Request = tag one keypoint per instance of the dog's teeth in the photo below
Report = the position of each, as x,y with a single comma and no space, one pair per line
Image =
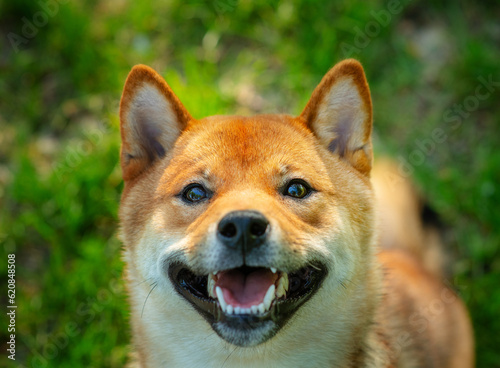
273,270
261,308
280,290
268,299
254,309
211,286
282,287
284,280
222,302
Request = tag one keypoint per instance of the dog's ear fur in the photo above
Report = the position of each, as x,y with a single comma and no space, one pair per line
339,113
151,119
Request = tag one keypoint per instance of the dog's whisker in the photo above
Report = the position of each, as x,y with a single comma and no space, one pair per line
231,353
150,291
143,281
315,267
209,335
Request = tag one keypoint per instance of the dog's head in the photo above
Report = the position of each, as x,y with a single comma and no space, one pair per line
242,220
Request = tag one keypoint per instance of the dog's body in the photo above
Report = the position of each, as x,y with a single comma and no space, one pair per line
251,242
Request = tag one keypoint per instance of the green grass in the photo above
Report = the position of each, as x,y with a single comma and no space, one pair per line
60,179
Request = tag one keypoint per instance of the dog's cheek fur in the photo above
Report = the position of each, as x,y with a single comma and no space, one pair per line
163,318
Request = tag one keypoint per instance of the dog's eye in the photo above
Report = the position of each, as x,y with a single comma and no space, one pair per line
297,189
194,193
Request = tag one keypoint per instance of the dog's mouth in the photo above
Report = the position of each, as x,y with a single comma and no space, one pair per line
244,297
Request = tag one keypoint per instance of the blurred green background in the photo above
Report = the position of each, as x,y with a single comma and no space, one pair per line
62,67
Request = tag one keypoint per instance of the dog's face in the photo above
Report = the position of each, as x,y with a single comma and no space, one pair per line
242,220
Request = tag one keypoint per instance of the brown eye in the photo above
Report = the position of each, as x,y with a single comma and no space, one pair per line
297,189
194,193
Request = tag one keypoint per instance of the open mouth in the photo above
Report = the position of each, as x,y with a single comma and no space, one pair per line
245,296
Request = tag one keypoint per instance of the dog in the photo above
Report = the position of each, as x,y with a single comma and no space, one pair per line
259,242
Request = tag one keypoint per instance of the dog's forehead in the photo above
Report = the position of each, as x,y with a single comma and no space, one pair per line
248,139
244,149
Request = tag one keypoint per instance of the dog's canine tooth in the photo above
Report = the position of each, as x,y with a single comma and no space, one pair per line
280,290
284,280
273,270
210,286
282,287
220,297
268,299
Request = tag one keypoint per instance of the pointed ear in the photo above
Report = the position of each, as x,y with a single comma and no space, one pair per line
339,113
151,119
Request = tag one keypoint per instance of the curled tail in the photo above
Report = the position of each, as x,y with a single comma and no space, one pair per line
405,220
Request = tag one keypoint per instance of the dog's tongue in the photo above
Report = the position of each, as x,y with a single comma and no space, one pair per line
245,288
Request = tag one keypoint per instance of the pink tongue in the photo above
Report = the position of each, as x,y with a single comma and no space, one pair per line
242,289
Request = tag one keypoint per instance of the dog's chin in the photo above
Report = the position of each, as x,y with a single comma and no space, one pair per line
244,331
247,306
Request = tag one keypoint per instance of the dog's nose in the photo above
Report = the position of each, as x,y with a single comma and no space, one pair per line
243,230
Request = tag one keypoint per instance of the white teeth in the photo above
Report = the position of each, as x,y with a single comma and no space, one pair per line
273,270
272,293
261,308
268,299
222,302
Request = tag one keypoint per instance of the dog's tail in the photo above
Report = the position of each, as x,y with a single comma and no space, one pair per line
406,221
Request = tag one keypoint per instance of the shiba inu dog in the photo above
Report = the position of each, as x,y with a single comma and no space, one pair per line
253,242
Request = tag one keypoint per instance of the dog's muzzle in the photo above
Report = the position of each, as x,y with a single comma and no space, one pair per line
239,300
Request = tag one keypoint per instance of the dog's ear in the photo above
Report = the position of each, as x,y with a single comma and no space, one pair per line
339,113
151,119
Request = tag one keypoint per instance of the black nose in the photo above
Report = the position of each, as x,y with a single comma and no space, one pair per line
243,230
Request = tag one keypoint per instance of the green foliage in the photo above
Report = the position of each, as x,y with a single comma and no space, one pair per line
59,141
